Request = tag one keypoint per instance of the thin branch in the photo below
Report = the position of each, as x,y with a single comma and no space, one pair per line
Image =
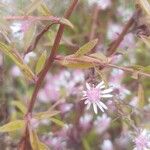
127,69
114,45
33,18
38,37
94,21
51,57
88,59
43,74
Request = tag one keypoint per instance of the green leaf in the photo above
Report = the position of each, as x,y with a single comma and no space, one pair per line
12,126
147,69
34,5
86,144
144,5
18,60
43,9
36,144
99,56
146,40
58,122
103,76
141,97
46,114
40,63
137,67
29,36
20,106
86,48
66,22
77,65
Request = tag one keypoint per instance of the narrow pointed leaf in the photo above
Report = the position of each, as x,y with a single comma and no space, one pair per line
29,36
86,48
36,144
43,9
20,106
34,5
77,65
58,122
141,97
99,56
66,22
41,62
147,69
46,114
86,144
145,6
82,62
146,40
12,126
103,76
18,60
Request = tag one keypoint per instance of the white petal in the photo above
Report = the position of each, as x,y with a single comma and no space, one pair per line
84,97
95,108
86,102
100,107
102,87
100,84
107,91
103,105
84,92
88,105
88,86
107,95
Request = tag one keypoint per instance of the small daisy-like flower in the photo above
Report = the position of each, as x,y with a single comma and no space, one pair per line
93,96
142,141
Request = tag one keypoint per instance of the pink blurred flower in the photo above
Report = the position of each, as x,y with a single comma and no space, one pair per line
124,12
107,145
94,95
29,56
115,82
34,122
56,143
85,121
142,141
42,96
114,31
111,105
15,71
134,101
128,42
103,4
65,107
25,26
61,85
52,92
102,123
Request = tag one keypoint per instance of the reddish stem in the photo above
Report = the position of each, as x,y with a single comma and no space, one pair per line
33,18
24,143
114,45
51,57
